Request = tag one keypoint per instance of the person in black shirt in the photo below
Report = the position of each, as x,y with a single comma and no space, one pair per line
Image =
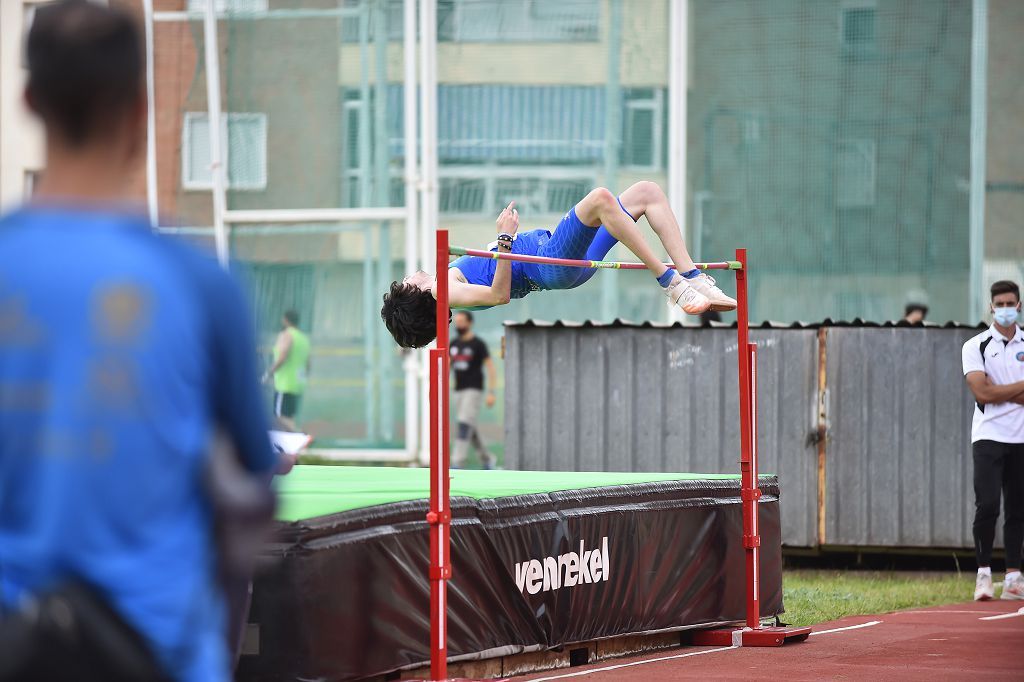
469,356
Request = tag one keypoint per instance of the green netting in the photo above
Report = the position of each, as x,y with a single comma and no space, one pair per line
310,491
832,139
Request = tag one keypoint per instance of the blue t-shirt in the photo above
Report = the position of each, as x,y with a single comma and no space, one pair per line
119,352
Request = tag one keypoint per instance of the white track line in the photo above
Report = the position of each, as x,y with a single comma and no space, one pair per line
1015,614
849,627
915,612
629,665
608,668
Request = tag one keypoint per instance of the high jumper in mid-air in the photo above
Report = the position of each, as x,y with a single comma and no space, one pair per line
587,232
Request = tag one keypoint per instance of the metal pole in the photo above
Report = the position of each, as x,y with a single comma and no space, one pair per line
213,113
382,185
370,359
752,537
612,137
151,184
411,365
370,324
428,140
439,516
678,76
749,491
979,66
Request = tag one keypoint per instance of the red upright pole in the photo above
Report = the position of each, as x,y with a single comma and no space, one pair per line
753,634
749,491
439,516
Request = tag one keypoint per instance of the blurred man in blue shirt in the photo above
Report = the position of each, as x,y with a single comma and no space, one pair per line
120,354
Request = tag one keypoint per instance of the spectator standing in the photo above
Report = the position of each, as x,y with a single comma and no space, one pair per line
469,355
121,354
290,369
993,363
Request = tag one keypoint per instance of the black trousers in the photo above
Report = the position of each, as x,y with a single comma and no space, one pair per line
998,469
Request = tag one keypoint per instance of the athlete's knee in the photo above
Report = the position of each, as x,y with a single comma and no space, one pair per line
649,192
602,197
464,431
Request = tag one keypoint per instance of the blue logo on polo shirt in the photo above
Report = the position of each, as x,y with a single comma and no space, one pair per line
1020,356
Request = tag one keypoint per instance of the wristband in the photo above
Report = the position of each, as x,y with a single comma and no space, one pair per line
505,237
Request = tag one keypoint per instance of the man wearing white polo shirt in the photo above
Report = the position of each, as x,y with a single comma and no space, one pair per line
994,367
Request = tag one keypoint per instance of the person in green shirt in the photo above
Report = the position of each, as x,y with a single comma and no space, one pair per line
290,368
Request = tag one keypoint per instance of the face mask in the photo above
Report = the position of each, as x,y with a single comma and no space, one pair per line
462,330
1004,317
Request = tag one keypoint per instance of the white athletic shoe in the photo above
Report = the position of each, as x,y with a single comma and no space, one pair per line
983,590
1013,589
682,293
705,284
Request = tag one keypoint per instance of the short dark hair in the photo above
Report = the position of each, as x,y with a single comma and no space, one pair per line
410,314
1005,286
469,315
292,317
85,68
915,307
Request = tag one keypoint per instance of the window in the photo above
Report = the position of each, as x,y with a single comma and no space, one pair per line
642,129
857,27
462,195
222,6
855,173
244,137
485,190
517,20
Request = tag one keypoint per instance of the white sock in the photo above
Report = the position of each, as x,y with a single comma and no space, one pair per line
1012,575
985,570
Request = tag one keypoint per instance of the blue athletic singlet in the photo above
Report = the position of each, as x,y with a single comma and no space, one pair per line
571,239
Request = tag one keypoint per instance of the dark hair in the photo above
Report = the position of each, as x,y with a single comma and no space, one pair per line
292,317
410,314
1005,286
85,68
469,315
915,307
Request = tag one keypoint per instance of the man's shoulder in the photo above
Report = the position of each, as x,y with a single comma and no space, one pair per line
979,338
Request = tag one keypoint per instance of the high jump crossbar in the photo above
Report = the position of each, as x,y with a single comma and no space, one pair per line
570,263
439,515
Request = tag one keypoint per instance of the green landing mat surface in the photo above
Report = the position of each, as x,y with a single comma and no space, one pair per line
310,491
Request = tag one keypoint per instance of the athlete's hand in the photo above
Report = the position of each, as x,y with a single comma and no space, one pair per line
508,221
490,400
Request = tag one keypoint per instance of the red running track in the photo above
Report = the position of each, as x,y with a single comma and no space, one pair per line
971,641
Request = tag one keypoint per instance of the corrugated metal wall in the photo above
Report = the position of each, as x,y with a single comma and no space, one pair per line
614,398
898,466
627,398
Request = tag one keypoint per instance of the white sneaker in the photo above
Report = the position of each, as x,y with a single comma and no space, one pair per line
1013,589
683,294
705,284
983,590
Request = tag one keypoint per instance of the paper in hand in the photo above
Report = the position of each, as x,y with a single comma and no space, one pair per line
289,443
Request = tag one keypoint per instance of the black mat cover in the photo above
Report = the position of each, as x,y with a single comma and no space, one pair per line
346,595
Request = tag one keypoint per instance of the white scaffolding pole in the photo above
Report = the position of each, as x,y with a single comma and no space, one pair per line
428,167
411,364
678,80
979,112
213,109
151,186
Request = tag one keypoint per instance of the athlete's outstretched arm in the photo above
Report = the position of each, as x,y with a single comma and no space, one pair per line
464,295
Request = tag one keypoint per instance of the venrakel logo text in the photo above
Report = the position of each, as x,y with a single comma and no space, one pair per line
565,570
